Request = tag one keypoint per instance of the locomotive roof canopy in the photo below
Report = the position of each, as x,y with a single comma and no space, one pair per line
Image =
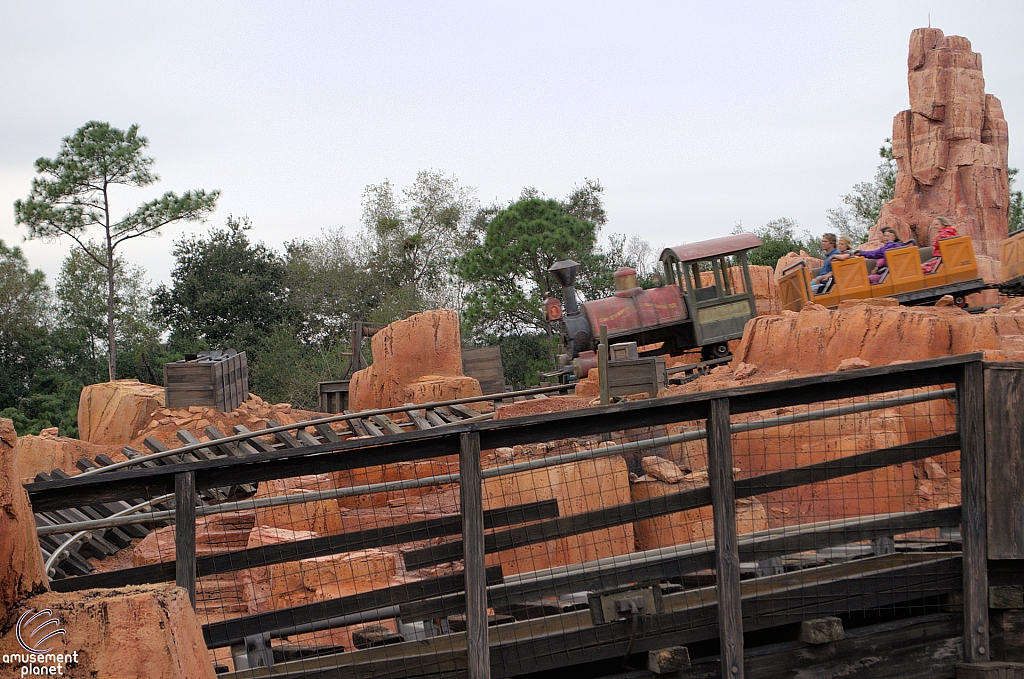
706,249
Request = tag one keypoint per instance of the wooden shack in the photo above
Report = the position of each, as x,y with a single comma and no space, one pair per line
218,379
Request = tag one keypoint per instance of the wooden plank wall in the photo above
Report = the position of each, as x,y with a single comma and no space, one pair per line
484,365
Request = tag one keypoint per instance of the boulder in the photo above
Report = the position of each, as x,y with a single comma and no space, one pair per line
319,516
792,258
143,631
21,562
114,413
48,451
950,148
817,340
582,486
418,359
660,469
693,525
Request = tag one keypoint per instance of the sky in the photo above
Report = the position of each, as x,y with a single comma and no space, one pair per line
693,116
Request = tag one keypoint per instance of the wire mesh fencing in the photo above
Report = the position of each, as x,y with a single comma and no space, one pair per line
604,534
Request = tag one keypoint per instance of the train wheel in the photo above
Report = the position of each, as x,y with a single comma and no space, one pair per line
960,301
713,351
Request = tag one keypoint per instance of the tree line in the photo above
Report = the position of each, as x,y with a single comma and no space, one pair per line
427,245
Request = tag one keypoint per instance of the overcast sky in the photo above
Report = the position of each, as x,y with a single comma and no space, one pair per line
693,116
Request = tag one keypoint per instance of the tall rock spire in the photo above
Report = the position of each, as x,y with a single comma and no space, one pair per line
950,147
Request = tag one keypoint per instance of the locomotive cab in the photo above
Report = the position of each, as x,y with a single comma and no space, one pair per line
713,277
705,300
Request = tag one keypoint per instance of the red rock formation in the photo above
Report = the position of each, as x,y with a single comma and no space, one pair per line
818,340
148,631
415,360
950,148
48,451
21,562
116,412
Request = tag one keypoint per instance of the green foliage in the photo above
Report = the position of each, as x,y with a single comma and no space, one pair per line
330,284
226,292
413,240
779,238
72,195
1016,203
861,208
51,401
634,252
24,314
81,306
508,273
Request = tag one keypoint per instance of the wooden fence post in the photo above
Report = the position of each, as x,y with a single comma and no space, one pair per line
185,533
727,554
970,391
472,506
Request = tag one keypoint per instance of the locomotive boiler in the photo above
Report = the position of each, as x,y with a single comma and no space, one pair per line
705,299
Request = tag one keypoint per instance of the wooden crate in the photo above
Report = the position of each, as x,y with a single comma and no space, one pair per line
636,376
484,365
218,380
333,396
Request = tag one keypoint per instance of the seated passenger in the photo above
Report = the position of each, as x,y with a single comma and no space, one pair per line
843,251
892,240
823,281
946,230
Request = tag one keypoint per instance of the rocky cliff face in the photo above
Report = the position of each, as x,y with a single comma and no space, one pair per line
950,147
416,360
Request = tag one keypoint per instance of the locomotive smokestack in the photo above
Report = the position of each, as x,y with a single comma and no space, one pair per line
564,270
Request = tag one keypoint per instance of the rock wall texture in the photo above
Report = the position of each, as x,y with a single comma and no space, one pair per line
149,631
21,562
950,147
115,412
818,340
49,451
416,360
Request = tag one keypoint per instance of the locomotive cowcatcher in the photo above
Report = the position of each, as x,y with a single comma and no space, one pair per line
705,299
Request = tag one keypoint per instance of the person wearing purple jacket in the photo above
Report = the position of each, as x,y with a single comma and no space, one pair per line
892,241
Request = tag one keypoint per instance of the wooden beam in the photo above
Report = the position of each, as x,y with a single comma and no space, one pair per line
472,506
185,533
727,554
974,523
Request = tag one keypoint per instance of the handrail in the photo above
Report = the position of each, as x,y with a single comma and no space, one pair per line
794,265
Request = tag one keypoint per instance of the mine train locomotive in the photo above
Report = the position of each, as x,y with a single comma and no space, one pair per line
705,299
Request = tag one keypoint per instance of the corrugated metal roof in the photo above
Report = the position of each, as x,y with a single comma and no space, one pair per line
715,247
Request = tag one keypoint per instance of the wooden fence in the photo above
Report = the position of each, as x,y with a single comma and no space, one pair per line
726,610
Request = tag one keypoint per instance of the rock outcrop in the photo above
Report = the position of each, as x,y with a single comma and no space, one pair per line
818,340
147,631
950,148
21,562
116,412
49,451
415,360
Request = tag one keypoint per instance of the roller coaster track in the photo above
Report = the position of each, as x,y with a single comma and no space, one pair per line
68,554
